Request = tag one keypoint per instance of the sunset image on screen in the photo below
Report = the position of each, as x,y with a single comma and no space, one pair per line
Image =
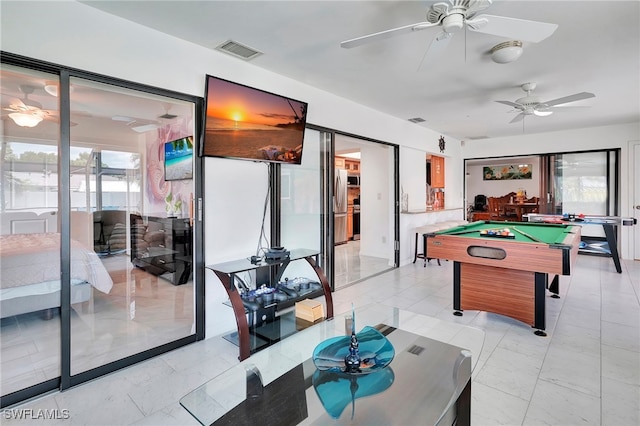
243,122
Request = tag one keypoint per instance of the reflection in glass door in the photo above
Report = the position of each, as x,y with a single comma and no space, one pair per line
301,203
30,236
583,182
133,217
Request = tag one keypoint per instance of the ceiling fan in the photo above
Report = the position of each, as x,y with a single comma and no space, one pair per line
531,105
461,14
27,112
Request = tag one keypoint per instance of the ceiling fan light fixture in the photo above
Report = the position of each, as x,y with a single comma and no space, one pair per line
506,52
453,23
542,113
23,119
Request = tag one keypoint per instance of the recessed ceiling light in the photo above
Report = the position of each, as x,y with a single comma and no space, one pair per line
52,89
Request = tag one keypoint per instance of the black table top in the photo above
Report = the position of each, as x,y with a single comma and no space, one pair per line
242,265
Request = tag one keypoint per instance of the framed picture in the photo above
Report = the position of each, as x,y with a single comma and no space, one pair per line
178,159
507,172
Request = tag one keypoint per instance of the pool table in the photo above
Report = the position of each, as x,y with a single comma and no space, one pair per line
506,274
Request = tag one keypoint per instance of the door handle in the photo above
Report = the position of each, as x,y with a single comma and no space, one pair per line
638,207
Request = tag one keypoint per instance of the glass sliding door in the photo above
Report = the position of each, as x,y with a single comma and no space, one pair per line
301,203
97,246
583,182
133,218
30,236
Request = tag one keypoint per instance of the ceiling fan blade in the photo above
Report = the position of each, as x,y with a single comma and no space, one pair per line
514,28
517,118
571,98
476,6
511,104
569,107
359,41
17,105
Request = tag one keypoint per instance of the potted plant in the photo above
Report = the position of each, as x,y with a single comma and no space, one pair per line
173,206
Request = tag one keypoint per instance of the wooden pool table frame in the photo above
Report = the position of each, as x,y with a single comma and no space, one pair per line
514,286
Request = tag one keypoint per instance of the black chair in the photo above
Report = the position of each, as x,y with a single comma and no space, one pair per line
480,203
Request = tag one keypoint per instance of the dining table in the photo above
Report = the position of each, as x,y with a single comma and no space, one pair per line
520,209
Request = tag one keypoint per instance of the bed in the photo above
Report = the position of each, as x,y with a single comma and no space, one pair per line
30,273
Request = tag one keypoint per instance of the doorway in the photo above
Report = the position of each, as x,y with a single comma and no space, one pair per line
365,199
634,194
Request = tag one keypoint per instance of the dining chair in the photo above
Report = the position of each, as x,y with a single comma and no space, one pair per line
494,208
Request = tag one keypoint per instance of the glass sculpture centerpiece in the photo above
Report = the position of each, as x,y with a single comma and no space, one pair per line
351,367
361,353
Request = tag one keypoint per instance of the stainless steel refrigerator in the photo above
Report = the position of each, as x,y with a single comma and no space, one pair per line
340,206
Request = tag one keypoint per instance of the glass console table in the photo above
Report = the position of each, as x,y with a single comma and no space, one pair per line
246,337
428,381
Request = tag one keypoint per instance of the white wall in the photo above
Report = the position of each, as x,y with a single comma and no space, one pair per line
617,136
497,188
413,175
376,200
78,36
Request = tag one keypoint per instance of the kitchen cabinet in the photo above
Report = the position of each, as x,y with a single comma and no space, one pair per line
162,247
350,223
352,166
437,171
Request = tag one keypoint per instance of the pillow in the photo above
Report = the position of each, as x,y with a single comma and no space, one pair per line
118,239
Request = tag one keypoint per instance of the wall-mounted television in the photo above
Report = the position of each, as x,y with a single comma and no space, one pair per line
251,124
178,159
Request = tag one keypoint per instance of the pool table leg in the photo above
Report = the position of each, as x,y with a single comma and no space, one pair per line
554,287
540,282
456,289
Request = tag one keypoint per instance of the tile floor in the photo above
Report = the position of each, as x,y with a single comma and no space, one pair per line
352,267
585,372
140,312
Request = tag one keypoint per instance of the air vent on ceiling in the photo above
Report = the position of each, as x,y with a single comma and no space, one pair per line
475,138
417,120
238,50
415,349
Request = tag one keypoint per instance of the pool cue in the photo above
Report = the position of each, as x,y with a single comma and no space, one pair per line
527,235
462,232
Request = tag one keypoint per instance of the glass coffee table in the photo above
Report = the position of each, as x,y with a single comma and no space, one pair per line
428,381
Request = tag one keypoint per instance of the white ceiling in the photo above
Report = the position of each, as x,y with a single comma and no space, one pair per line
596,48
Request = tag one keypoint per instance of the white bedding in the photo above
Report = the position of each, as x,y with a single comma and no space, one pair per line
31,263
33,289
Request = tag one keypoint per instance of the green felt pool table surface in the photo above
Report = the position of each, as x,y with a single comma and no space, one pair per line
545,233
